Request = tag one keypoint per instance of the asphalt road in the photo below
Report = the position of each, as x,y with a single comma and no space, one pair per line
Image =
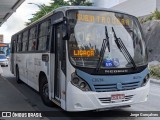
153,103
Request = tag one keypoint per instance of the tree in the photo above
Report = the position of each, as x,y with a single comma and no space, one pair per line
43,9
80,2
154,16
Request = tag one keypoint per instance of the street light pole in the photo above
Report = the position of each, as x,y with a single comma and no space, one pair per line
40,6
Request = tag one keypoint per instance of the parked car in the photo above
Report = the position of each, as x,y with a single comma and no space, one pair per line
3,60
2,52
7,57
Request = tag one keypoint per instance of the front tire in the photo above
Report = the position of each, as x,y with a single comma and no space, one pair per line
44,92
17,76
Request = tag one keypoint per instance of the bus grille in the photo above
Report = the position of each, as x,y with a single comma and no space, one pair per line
108,99
113,87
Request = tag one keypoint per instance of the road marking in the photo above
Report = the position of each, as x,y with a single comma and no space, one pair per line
154,94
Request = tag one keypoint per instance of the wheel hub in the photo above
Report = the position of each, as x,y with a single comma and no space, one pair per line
45,90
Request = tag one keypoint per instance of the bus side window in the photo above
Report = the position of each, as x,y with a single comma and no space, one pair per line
33,45
19,43
25,41
44,36
32,39
13,44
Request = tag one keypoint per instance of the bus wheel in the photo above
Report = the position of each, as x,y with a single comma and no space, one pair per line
44,92
17,76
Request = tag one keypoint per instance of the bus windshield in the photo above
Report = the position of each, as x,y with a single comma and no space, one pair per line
88,32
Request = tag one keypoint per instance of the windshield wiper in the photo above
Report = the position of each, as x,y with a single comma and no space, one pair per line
103,49
123,49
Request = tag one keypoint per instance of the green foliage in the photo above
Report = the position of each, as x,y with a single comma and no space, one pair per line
80,2
155,71
43,9
154,16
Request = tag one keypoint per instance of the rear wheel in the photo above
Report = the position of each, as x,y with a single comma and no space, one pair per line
17,76
44,92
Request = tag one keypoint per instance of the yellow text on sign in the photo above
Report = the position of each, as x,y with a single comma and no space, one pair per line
102,19
84,53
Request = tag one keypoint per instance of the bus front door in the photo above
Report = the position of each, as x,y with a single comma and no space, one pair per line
57,80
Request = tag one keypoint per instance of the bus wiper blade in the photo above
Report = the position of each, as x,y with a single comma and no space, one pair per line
103,49
107,38
123,49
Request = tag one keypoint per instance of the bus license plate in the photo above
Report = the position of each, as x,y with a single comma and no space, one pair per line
117,97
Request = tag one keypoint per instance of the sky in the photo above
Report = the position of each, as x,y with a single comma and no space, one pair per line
18,19
106,3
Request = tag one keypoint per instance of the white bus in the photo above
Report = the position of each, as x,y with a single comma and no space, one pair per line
83,58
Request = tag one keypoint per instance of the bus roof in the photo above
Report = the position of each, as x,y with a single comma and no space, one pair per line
65,8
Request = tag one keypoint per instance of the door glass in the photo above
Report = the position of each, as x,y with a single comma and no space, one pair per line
58,50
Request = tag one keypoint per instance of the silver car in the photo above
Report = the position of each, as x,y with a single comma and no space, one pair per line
3,60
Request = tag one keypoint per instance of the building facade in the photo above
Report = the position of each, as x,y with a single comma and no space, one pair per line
106,3
138,8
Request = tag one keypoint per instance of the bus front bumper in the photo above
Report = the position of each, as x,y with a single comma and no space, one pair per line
78,100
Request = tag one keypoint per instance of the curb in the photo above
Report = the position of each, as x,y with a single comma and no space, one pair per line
155,81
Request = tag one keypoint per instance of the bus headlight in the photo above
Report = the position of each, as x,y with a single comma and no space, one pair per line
75,80
82,85
78,82
145,80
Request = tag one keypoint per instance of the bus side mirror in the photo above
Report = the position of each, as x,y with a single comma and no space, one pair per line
64,32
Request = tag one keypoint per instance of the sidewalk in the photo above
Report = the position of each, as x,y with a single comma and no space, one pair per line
11,99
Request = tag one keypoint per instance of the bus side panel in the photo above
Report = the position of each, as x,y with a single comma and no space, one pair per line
21,63
31,70
34,68
69,71
40,66
24,67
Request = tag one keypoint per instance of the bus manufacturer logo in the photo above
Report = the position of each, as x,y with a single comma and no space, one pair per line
119,86
115,71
